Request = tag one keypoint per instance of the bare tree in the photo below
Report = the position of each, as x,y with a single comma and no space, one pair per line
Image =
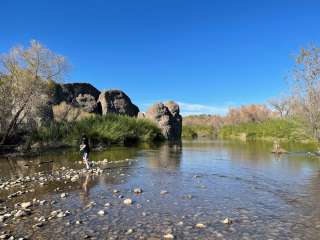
306,88
281,105
25,73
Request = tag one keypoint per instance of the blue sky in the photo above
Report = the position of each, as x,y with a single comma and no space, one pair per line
205,54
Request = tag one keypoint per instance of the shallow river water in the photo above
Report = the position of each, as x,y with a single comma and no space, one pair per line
188,191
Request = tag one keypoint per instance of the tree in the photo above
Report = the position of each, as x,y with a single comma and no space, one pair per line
306,88
24,76
281,105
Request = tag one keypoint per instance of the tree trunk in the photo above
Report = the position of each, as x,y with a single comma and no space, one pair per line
12,125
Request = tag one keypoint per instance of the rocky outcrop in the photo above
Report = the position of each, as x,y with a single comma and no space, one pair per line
88,103
168,118
82,95
116,101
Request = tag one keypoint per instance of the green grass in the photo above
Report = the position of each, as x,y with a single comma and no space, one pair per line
283,129
107,129
195,131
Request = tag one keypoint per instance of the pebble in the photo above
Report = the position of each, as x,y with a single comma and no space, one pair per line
127,201
63,195
38,225
168,236
101,212
25,204
227,221
200,225
137,190
21,213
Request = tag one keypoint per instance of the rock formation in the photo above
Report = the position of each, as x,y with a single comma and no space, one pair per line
168,118
116,101
82,95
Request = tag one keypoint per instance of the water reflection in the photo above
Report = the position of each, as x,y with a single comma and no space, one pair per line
87,184
167,156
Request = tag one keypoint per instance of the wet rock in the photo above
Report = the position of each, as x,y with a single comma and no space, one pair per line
227,221
64,195
137,190
200,225
101,213
168,236
128,201
115,191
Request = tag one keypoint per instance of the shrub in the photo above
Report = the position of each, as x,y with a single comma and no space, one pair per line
110,128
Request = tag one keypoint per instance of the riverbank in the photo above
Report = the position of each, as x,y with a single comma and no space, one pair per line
285,130
110,129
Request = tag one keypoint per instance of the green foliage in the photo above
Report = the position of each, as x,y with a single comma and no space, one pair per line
195,131
110,128
285,129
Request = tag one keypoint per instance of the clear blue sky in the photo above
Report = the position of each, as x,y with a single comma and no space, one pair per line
206,54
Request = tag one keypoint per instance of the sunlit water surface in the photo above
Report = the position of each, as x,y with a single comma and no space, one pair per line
266,196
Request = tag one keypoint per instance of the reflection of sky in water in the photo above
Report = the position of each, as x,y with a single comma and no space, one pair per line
224,179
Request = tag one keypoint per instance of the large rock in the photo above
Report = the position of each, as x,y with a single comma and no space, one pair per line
88,103
82,95
168,118
116,101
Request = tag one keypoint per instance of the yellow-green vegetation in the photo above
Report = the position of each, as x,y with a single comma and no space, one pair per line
196,131
281,129
106,129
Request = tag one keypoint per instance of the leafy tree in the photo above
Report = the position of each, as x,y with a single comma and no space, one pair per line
24,76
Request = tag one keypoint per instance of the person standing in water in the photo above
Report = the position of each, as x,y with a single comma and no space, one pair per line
85,150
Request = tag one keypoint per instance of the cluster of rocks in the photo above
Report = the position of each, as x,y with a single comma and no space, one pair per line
91,100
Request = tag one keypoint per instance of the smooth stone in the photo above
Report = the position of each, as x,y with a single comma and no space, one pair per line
200,225
127,201
63,195
25,204
137,190
101,212
227,221
168,236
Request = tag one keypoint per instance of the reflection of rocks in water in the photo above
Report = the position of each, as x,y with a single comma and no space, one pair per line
167,156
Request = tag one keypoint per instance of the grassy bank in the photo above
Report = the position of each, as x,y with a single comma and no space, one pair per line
197,131
282,129
107,129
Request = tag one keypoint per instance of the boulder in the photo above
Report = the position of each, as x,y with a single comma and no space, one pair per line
168,118
82,95
116,101
88,103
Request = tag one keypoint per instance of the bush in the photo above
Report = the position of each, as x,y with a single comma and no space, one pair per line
285,129
110,128
195,131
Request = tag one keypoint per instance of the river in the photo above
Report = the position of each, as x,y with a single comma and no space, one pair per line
188,191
